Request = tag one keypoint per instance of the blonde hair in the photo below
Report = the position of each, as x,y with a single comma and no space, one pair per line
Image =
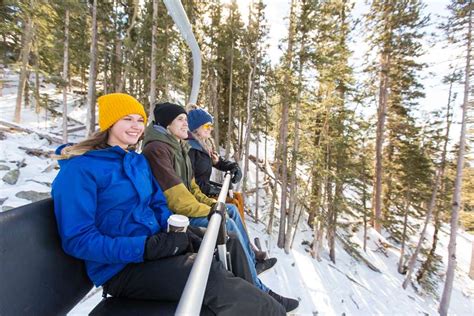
96,141
207,144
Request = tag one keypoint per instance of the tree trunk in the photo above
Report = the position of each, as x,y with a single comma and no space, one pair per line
37,87
331,229
315,197
257,181
24,57
117,50
83,80
364,197
265,157
240,137
250,94
213,100
229,113
90,124
27,91
300,213
274,196
404,233
107,59
153,60
318,239
65,73
127,48
294,155
448,286
365,223
283,139
381,115
429,258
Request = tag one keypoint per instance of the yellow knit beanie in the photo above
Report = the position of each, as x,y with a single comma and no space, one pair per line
114,106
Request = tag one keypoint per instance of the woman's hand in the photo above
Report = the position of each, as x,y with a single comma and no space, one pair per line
214,157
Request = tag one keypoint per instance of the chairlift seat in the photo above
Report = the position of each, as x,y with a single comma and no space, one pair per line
38,278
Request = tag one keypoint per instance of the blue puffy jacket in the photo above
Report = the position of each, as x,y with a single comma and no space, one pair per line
107,202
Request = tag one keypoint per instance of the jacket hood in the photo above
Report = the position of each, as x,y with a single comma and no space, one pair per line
60,148
158,133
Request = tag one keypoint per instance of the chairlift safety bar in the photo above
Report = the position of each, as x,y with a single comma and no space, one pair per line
193,293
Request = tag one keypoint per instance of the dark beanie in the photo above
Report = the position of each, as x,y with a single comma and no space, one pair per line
166,112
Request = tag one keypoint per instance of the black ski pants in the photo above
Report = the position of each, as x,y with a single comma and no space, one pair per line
225,294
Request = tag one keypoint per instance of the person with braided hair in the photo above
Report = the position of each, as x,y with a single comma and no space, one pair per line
204,157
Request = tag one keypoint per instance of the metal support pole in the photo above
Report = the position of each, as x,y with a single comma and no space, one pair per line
177,13
193,293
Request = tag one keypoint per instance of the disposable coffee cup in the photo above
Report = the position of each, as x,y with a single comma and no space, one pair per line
177,223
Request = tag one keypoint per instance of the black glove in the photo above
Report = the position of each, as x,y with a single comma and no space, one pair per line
163,245
214,190
194,239
233,167
236,173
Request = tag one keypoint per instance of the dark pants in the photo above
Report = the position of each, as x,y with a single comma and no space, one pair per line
225,294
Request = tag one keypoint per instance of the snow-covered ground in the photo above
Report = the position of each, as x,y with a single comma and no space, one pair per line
348,287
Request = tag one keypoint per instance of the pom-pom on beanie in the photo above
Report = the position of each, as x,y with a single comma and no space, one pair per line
114,106
166,112
198,117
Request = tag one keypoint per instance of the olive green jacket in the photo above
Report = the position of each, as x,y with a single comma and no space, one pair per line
171,166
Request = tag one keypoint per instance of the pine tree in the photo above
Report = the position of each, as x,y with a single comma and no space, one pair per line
286,101
10,32
303,28
436,183
130,44
254,49
395,32
461,21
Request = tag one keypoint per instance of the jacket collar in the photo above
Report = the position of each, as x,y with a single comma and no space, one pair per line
158,133
194,143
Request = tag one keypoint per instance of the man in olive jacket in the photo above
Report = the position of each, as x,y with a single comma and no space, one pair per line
168,157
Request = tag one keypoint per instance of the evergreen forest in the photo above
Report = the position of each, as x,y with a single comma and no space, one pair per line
344,146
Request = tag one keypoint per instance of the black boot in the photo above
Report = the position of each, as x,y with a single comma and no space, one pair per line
288,303
265,265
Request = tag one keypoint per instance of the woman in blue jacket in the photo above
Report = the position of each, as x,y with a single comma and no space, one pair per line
112,214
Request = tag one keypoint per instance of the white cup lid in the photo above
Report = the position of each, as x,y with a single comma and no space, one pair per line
178,220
